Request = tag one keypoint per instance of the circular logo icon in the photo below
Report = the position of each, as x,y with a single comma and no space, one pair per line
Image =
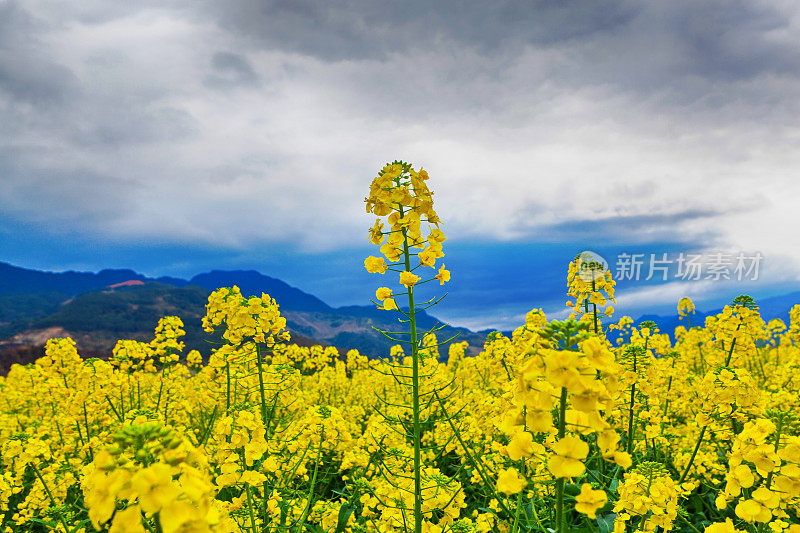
591,266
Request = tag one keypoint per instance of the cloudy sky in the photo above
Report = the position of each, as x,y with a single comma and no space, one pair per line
174,137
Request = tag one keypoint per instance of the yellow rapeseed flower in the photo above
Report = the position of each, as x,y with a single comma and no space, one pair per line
752,511
408,279
590,500
510,481
569,451
382,293
154,487
128,520
722,527
443,276
375,265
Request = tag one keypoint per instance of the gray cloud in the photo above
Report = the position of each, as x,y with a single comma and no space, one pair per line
231,70
374,30
636,228
27,74
64,199
255,122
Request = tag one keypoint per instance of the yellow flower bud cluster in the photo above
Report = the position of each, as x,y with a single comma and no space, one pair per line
133,355
61,356
596,290
255,318
736,332
243,447
793,334
400,193
649,496
166,345
727,393
685,307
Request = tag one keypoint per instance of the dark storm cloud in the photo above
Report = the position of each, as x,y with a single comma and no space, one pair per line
641,42
26,74
733,40
624,229
231,70
365,29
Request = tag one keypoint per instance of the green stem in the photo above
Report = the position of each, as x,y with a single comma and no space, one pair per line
689,524
475,464
516,514
313,482
694,453
778,430
268,430
250,510
86,422
594,307
58,428
703,431
730,352
768,482
121,419
228,390
80,436
562,415
630,414
166,408
259,362
160,391
412,320
49,495
669,386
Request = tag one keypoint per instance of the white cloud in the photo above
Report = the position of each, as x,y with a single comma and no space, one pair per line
655,129
667,293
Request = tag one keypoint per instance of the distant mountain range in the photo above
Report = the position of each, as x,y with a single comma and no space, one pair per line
15,281
96,309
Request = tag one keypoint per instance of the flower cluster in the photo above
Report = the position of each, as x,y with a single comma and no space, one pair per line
763,472
649,496
400,193
590,283
149,472
255,318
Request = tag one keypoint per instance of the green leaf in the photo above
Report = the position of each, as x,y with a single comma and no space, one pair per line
345,511
606,523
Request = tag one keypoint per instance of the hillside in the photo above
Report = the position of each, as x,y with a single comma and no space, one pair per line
96,319
16,281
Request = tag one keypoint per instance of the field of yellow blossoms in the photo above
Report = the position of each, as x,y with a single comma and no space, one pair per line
584,424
